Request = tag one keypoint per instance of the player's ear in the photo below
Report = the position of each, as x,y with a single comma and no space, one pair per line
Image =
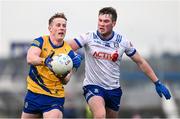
114,23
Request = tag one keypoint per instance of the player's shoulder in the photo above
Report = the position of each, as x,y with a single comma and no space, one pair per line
121,39
89,33
42,38
86,35
39,41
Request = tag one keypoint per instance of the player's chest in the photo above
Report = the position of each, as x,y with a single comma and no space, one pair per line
47,49
104,49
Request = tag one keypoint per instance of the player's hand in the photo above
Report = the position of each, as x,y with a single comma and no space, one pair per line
162,90
62,76
48,60
77,61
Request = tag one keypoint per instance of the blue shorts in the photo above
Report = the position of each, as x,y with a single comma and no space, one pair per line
37,103
111,97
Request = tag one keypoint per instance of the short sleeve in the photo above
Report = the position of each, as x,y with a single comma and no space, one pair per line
82,39
129,49
38,42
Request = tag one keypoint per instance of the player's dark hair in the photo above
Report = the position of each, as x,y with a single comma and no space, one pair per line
57,15
109,10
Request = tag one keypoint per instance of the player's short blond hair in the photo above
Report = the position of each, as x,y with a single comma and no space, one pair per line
57,15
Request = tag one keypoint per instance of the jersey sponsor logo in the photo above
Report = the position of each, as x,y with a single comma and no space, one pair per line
115,56
103,55
36,42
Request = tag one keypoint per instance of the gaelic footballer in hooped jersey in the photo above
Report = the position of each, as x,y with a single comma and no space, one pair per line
98,53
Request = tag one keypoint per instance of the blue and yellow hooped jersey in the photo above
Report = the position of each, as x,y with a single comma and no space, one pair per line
40,79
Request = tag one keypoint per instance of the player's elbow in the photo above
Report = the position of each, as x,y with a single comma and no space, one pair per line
29,59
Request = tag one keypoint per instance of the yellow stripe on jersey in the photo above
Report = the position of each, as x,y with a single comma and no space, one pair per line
41,80
36,42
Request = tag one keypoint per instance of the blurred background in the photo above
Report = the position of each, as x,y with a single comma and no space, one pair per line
153,26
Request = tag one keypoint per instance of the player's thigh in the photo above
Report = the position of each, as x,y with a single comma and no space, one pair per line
28,115
111,113
54,113
97,105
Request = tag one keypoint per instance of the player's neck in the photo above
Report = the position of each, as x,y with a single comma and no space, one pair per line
57,42
106,36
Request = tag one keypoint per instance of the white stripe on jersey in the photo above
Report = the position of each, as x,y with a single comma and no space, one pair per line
99,68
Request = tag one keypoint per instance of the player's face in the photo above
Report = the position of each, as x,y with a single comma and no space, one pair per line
58,28
105,24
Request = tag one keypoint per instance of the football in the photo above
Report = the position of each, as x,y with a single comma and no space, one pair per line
61,64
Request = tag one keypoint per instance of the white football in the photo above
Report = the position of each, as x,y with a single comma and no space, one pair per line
61,64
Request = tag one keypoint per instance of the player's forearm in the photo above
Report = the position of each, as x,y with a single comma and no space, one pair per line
35,60
146,68
73,44
67,78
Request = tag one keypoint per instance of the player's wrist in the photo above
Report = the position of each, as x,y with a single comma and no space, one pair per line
157,82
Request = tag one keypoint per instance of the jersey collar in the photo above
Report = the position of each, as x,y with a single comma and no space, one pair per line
55,46
104,39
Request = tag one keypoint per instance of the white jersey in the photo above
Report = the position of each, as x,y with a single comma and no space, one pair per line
99,68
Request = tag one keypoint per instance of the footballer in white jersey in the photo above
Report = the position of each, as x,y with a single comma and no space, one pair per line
100,68
104,49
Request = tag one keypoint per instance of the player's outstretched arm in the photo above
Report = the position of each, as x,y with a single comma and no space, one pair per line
73,44
146,68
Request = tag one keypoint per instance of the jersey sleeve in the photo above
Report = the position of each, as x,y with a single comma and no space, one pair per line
82,39
38,42
129,49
